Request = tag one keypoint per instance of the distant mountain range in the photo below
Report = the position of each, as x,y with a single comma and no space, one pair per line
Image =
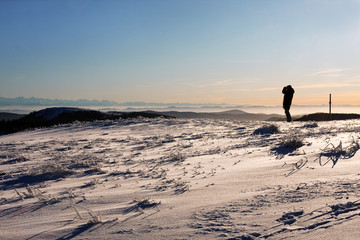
130,106
32,101
21,101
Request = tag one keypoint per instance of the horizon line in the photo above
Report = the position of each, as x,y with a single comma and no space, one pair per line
109,103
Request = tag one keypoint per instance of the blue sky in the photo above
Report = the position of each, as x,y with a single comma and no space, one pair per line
195,51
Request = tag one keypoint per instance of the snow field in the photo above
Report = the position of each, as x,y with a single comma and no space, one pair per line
179,179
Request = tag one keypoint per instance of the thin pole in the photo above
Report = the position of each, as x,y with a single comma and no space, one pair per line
330,105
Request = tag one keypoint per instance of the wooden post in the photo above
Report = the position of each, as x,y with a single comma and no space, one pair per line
330,105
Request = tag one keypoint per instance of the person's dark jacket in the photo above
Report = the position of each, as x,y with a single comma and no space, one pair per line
288,92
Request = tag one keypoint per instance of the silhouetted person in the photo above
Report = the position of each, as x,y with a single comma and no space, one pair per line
288,92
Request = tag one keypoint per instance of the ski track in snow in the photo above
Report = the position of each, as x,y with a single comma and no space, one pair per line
179,179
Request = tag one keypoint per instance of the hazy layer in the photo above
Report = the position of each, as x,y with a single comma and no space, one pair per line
295,110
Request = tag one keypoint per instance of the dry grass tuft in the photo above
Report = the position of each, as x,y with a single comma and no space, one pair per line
334,153
93,182
267,130
287,145
311,125
141,204
297,166
176,158
92,220
32,192
292,141
49,172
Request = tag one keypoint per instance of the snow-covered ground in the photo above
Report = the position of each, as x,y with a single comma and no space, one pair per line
181,179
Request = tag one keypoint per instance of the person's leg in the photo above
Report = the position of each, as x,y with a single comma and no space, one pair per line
288,116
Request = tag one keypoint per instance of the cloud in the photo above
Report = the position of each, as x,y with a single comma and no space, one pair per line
328,85
244,61
330,72
226,82
223,83
310,86
248,90
268,89
20,78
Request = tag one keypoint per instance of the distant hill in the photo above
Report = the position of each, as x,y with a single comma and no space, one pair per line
231,115
327,117
10,116
62,115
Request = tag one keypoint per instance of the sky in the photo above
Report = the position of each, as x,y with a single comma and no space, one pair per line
190,51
